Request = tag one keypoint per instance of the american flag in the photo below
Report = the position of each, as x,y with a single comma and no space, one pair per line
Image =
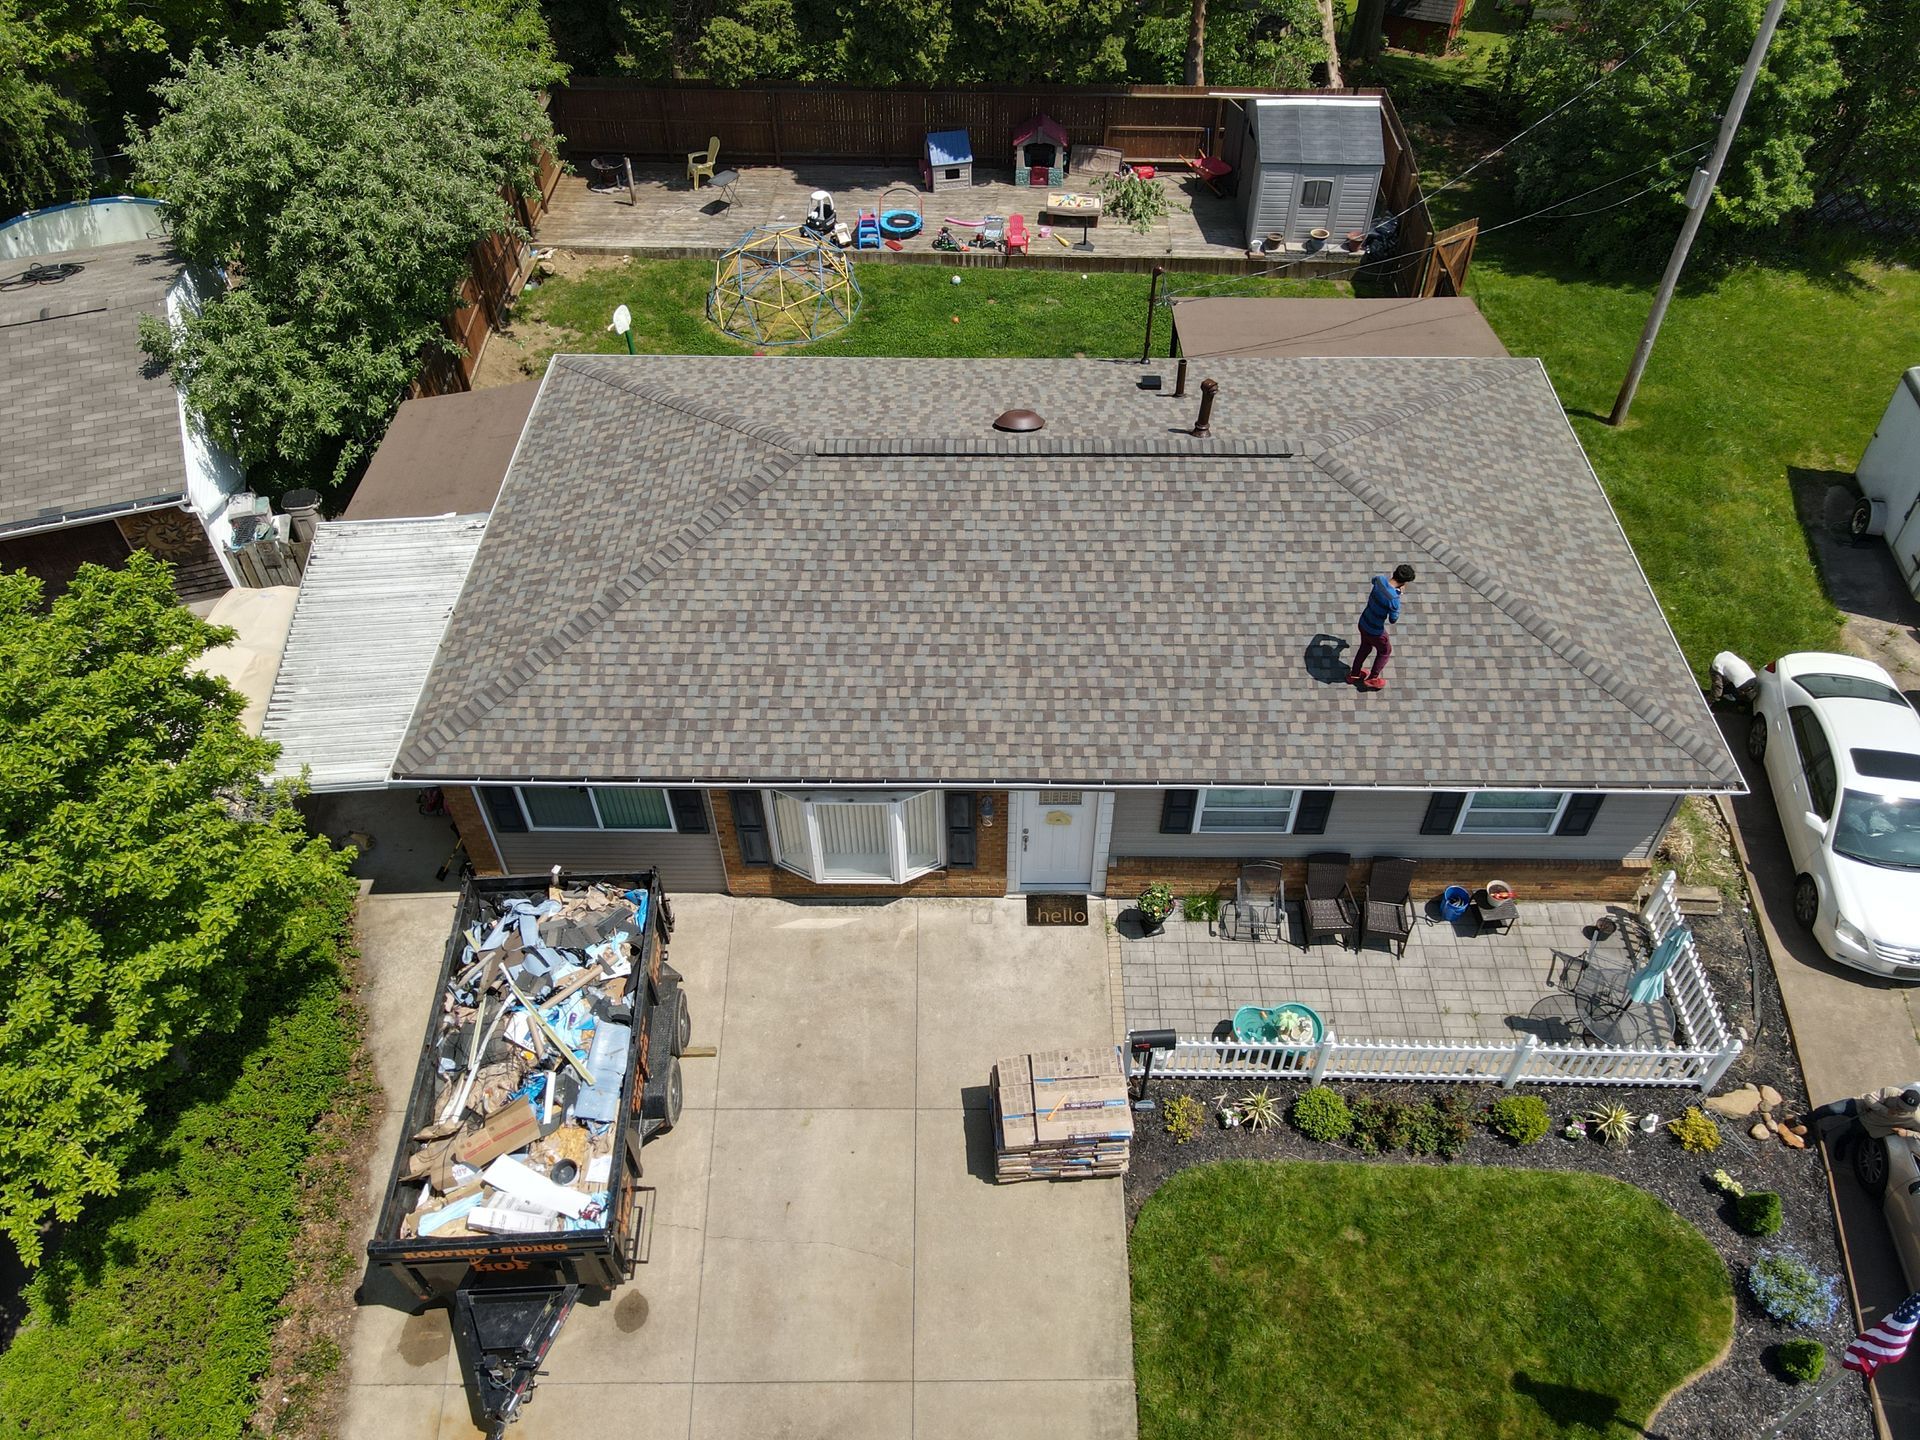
1886,1342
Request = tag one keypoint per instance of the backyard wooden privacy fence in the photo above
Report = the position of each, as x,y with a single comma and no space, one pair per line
1706,1051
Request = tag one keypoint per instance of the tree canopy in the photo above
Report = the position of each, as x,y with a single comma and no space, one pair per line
340,173
1644,109
150,879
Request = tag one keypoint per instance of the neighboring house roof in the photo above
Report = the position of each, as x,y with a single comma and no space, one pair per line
1319,130
89,426
741,569
1434,12
374,602
444,455
1229,325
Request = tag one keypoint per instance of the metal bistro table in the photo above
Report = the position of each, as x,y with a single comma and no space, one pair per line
1069,207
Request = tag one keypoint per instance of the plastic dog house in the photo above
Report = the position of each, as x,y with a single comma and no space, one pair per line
947,163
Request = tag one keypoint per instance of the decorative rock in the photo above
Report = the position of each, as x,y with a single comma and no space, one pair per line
1799,1130
1735,1103
1759,1132
1792,1141
1769,1096
1768,1120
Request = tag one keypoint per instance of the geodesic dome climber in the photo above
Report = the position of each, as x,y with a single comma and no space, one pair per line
781,285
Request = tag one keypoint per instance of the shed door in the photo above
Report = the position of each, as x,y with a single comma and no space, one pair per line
1312,206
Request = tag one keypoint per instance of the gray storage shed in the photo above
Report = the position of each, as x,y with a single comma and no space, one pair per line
1310,162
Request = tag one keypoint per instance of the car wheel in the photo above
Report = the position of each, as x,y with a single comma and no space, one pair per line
1806,902
1870,1165
1757,738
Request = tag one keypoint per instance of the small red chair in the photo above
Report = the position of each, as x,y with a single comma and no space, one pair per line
1016,234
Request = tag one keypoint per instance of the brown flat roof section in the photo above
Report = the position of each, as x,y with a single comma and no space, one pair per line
1224,325
444,455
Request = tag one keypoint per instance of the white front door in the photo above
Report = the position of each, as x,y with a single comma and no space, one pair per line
1056,839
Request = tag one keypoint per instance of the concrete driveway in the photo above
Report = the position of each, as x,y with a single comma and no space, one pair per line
829,1257
1854,1032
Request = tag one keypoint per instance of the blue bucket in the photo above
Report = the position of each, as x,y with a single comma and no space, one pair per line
1454,901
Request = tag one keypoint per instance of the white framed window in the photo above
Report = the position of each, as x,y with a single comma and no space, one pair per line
594,807
859,836
1511,812
1247,811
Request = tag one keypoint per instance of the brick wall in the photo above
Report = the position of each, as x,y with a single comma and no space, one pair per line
987,877
1616,880
464,806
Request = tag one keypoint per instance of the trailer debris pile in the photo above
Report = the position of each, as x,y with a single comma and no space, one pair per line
531,1053
1061,1115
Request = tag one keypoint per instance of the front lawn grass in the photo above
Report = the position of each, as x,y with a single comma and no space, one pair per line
1295,1299
907,310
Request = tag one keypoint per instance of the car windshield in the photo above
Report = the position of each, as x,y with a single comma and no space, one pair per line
1848,687
1879,830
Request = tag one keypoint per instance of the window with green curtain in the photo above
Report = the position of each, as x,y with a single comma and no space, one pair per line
558,807
630,809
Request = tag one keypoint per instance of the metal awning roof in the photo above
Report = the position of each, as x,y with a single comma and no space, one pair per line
373,605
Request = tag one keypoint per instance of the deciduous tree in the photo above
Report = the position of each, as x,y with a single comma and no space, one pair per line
150,879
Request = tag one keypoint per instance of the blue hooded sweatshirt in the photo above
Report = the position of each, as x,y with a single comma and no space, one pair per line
1383,607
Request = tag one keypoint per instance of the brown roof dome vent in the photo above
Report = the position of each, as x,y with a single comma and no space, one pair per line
1019,422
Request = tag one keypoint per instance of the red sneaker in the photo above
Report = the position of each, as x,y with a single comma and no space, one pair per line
1354,677
1375,682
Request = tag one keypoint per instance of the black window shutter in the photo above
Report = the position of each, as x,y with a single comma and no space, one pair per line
503,807
1443,809
1176,811
962,842
1577,818
750,826
689,815
1310,818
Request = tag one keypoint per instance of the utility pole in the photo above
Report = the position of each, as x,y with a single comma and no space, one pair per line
1698,194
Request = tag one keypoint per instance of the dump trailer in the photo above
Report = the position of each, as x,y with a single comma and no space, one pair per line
550,1058
1889,477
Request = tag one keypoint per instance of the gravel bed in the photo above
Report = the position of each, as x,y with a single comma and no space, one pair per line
1742,1395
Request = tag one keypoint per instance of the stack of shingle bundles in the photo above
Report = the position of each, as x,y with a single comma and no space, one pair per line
1061,1115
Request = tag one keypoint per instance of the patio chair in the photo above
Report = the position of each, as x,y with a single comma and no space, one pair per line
1387,910
1329,907
1259,900
1608,995
700,166
1016,234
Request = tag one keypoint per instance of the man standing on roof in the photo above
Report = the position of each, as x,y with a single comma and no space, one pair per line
1383,609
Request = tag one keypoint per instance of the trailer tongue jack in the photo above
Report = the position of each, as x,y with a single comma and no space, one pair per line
502,1337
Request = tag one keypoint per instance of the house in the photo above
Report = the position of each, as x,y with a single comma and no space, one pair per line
1310,162
862,627
98,455
1427,26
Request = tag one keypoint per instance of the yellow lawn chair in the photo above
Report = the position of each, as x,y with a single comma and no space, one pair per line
699,165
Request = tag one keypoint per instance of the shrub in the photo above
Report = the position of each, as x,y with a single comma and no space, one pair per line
1522,1119
1379,1126
1184,1116
1260,1110
1695,1131
1802,1361
1612,1123
1201,907
1757,1212
1321,1114
1456,1109
1792,1291
1425,1128
1726,1184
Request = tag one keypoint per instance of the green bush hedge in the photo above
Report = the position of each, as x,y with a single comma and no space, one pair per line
1520,1118
1321,1114
154,1315
1802,1361
1757,1212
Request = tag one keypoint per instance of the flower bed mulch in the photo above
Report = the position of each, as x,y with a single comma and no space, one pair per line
1742,1395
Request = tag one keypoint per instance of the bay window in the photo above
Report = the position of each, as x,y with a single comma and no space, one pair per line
849,837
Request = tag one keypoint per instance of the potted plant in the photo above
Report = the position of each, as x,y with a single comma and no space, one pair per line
1155,904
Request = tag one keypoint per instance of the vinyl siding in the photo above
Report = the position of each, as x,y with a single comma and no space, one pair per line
1272,207
685,862
1380,823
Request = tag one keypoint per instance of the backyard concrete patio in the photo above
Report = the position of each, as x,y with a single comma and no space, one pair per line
668,218
1452,985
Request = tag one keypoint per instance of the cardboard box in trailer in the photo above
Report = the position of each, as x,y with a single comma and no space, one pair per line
1889,477
551,1056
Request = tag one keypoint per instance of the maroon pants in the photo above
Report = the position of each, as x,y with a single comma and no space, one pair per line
1372,643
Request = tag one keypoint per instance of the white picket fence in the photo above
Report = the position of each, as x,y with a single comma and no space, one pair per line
1706,1051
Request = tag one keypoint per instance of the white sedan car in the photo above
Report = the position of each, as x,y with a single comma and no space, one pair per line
1889,1170
1842,750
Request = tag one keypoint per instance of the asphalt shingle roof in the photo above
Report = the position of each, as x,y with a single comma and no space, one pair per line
724,570
1314,130
88,424
1435,12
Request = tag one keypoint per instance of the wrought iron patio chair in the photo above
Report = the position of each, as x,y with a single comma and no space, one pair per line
1330,908
1387,911
1259,902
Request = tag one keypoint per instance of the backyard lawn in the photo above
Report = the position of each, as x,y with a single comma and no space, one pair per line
1293,1299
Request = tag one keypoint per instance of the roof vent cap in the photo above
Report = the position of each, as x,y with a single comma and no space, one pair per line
1019,422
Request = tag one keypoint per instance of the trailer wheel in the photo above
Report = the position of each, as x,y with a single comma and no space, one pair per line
676,1093
682,1022
664,1098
